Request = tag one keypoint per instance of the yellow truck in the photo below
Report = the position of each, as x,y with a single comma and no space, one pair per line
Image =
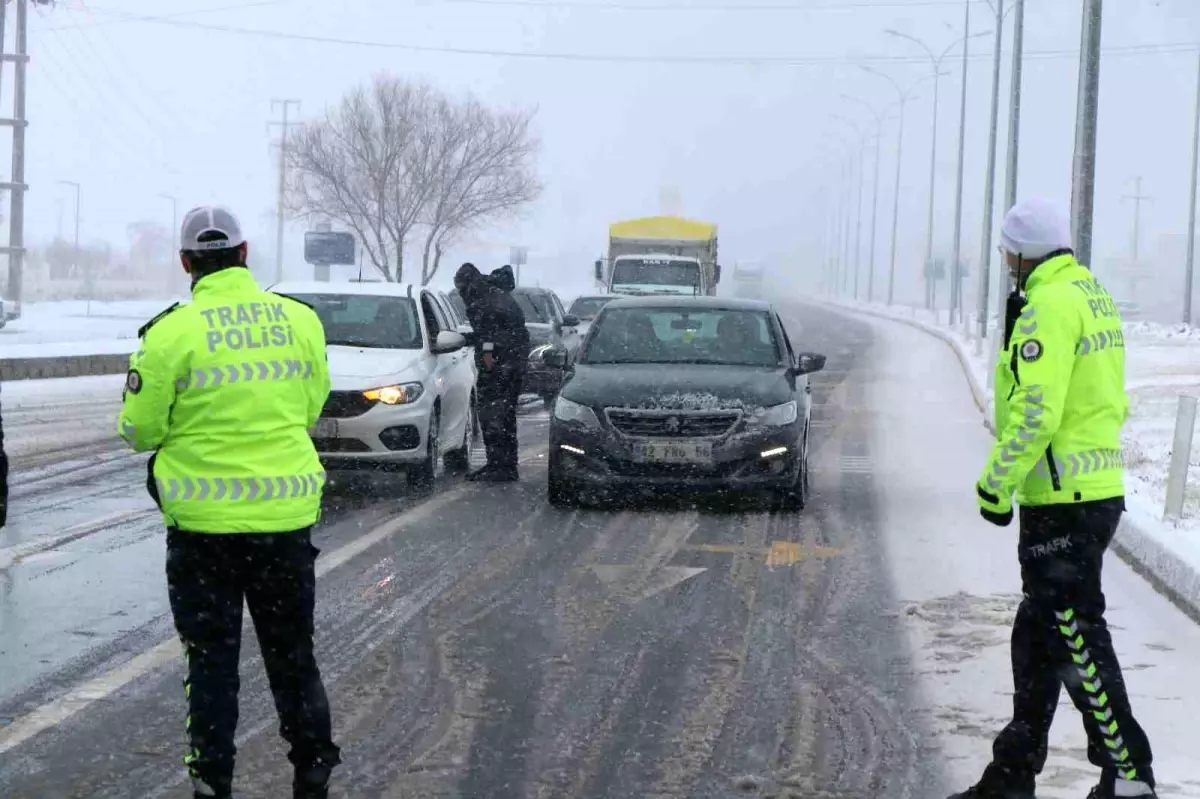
660,255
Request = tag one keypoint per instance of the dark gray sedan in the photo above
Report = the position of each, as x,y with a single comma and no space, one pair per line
683,394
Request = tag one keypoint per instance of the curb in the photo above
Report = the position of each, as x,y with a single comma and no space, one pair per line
1166,571
63,366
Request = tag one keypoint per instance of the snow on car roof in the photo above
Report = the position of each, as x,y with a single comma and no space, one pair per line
380,289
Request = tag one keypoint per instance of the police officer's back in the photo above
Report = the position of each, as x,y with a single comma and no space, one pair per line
223,389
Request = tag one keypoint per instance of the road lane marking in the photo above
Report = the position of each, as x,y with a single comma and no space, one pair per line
629,578
82,696
11,556
780,553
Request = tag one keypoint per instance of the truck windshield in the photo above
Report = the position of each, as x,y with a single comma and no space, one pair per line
641,271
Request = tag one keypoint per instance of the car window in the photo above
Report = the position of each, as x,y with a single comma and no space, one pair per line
459,306
731,337
449,310
586,308
533,307
363,320
434,318
787,342
558,306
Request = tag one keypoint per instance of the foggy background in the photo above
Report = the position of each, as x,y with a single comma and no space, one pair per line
721,111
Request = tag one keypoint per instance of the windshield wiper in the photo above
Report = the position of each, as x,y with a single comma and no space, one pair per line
354,342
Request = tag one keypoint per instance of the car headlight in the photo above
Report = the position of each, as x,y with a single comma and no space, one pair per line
537,353
567,411
775,416
401,394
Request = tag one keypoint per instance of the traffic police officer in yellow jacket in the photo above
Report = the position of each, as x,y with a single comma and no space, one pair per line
1060,404
223,390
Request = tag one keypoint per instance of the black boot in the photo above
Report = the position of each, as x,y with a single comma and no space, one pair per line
481,473
999,783
208,790
1134,789
312,782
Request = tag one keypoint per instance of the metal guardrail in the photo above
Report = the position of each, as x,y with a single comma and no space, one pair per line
63,366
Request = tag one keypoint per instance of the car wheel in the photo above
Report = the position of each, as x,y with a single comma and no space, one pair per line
422,476
459,460
559,492
795,497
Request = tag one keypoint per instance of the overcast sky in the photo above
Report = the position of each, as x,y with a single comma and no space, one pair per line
134,108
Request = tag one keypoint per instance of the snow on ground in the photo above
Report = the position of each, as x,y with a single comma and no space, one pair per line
48,329
43,416
958,582
1162,362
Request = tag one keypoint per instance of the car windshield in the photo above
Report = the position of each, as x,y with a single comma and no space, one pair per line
365,320
651,272
533,306
686,336
586,308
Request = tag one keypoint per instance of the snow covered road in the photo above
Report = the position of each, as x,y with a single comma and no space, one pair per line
45,420
958,581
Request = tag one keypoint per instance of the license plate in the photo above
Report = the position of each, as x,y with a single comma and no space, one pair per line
324,428
697,452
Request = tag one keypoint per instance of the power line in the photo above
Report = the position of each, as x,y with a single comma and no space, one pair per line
1140,49
172,15
826,5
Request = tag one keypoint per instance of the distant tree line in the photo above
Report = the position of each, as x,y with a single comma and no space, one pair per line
401,163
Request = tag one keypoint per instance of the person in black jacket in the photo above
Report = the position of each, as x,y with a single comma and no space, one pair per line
501,344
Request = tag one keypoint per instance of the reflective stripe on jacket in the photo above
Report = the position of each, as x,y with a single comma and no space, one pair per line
1060,393
225,388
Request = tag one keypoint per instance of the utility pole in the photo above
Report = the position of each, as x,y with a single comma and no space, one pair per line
989,190
1083,178
16,186
1188,274
174,254
1138,198
87,277
956,266
284,125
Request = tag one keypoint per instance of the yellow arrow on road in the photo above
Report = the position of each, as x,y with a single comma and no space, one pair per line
780,553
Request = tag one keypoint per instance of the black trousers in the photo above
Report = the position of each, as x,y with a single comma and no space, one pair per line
208,577
1060,639
499,390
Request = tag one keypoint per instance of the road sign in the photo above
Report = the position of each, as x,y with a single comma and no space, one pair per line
326,248
517,256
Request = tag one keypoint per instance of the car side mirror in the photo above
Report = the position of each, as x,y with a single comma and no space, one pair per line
555,358
809,362
570,320
448,341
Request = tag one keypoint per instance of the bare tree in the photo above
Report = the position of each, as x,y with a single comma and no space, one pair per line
361,165
484,170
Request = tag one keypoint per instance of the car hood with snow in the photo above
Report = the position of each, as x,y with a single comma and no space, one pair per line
678,386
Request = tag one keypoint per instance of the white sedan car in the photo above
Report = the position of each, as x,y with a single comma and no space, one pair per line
403,393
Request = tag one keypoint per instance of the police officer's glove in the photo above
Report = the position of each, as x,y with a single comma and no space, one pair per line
996,509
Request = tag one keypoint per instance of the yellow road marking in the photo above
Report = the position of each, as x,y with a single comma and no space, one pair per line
780,553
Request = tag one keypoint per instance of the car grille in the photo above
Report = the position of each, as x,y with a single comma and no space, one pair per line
345,404
672,424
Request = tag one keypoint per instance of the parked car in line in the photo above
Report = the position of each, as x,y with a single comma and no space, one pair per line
585,309
672,394
551,329
403,393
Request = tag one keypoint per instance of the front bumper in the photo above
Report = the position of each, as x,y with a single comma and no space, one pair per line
602,461
385,436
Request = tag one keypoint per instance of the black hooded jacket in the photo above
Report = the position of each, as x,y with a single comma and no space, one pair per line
495,317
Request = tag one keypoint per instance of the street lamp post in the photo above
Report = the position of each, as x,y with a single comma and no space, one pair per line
1083,179
174,230
862,163
879,117
904,96
956,256
936,61
985,244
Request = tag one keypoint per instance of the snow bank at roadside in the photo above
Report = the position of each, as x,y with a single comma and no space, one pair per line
49,329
